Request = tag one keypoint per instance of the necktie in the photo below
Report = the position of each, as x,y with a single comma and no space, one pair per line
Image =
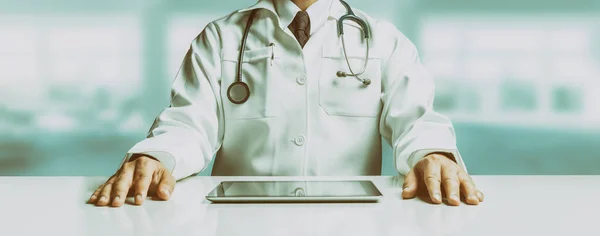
300,27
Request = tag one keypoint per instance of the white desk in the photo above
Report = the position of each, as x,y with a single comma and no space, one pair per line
514,205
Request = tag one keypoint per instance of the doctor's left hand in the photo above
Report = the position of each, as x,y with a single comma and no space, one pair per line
436,172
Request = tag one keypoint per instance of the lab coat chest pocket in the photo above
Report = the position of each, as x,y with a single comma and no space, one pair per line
257,74
347,96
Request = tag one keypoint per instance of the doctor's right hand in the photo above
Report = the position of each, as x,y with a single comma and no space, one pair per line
141,177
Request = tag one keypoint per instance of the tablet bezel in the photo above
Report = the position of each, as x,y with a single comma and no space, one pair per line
375,197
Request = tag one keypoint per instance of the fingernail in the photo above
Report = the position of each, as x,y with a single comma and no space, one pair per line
93,197
454,196
138,198
480,196
473,197
437,196
406,189
166,192
116,200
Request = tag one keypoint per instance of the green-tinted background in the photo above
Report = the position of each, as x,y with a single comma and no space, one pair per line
81,80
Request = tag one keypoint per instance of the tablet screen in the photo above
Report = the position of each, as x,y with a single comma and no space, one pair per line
295,189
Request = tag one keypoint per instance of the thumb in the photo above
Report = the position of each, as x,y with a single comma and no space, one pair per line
409,188
166,185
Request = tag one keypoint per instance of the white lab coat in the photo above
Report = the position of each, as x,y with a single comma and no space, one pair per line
301,119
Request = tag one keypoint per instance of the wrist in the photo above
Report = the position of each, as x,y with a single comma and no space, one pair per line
445,154
137,155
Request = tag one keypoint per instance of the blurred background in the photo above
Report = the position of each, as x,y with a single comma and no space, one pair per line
81,81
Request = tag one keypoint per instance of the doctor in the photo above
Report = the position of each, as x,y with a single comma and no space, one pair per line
300,87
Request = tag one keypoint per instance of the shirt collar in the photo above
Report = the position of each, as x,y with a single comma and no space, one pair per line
318,13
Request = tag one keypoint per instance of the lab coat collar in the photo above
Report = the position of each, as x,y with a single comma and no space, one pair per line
335,11
261,4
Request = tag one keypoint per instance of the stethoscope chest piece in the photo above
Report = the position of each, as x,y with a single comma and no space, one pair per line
238,92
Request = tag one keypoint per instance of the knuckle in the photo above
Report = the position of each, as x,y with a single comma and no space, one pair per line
141,162
469,185
128,164
433,178
107,185
463,176
142,159
124,174
450,181
140,175
451,167
111,180
428,160
99,189
118,180
436,157
105,191
159,172
120,188
140,187
122,182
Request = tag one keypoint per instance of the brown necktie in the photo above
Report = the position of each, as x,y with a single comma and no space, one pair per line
300,27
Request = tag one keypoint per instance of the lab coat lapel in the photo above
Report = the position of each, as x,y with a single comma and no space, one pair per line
337,10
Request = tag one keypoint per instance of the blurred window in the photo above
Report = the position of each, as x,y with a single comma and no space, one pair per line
567,99
71,70
19,66
510,64
518,96
445,99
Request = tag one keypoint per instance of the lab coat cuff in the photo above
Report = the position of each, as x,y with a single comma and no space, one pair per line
418,155
165,158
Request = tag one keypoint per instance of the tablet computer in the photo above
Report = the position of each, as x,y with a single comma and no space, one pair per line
294,191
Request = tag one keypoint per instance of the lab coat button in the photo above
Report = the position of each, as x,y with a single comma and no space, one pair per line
300,140
301,80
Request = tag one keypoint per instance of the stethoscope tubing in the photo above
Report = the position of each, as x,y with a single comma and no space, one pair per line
239,83
243,45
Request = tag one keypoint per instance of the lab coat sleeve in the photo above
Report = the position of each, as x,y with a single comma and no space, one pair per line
408,121
186,135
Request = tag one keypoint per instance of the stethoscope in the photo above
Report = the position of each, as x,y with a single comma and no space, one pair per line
239,92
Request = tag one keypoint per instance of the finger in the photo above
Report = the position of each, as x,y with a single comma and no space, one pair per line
95,195
122,185
409,188
104,195
468,189
166,185
142,178
431,173
451,184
